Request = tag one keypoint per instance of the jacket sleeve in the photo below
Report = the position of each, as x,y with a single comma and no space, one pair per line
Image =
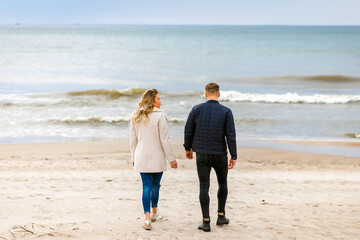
164,138
189,130
133,140
230,134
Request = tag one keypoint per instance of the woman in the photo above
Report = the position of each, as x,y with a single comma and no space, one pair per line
150,147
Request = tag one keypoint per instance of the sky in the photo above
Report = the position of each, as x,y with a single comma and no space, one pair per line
198,12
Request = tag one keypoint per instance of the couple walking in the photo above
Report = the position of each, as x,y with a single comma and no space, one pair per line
209,131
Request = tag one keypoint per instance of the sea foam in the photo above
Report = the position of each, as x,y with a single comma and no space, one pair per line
288,98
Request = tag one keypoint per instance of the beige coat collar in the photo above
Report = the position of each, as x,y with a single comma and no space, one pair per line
159,110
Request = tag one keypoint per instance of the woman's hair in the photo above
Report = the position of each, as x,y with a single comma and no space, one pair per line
145,106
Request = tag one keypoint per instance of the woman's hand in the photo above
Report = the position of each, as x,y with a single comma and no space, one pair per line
173,164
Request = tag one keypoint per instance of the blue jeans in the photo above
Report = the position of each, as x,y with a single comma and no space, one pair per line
151,187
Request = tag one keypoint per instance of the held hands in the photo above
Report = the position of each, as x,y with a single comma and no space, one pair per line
232,163
189,154
173,164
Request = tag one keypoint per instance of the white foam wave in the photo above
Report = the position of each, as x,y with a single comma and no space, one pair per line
288,98
92,119
64,99
101,119
32,98
177,120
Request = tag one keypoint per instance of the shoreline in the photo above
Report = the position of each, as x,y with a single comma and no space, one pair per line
273,157
347,148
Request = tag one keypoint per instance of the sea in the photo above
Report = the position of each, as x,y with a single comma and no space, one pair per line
82,82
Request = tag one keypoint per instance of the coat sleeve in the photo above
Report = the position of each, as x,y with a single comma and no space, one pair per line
133,140
189,131
164,138
230,134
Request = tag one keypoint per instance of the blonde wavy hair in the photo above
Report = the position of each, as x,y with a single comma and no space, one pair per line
145,106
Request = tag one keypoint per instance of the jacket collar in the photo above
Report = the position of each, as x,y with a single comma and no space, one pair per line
155,109
212,101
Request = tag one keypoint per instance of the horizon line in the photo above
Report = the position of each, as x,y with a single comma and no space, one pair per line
170,24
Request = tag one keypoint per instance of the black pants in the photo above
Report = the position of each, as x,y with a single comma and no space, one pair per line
204,164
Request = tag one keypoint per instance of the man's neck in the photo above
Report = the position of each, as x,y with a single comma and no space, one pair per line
212,98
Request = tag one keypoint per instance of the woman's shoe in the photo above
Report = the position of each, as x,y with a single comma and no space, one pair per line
154,216
147,225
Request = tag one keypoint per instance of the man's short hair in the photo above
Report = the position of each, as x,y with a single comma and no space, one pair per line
212,88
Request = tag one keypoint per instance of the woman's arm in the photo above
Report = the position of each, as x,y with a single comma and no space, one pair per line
164,138
133,141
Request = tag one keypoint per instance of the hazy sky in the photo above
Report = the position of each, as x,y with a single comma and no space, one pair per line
234,12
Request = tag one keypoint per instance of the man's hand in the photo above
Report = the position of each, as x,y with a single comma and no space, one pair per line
173,164
232,163
189,154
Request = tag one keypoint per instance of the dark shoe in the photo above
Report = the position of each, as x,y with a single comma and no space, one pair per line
205,226
222,220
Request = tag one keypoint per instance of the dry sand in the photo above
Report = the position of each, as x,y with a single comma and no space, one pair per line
88,190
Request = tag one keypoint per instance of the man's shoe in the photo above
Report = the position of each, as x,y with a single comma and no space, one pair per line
205,226
222,220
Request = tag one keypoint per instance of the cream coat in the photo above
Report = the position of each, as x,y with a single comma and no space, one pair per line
150,144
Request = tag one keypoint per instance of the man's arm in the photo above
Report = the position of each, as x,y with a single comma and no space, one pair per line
189,133
230,134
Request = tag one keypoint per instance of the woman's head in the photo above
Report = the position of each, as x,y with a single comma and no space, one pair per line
157,101
149,100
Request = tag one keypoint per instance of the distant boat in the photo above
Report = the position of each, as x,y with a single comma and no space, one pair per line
17,24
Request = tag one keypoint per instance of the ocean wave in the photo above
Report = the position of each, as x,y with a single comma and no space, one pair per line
6,104
92,119
288,79
288,98
352,135
40,99
102,119
254,121
114,94
109,93
59,99
327,78
121,119
177,120
64,99
54,99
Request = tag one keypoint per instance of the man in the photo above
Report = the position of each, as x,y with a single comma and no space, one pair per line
209,130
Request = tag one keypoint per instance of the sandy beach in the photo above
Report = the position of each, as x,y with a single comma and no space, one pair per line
88,190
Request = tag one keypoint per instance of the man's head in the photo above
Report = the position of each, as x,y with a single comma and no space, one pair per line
212,91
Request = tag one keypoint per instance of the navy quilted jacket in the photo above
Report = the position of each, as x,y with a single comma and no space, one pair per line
210,129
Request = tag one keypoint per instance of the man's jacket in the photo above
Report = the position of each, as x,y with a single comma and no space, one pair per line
210,129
